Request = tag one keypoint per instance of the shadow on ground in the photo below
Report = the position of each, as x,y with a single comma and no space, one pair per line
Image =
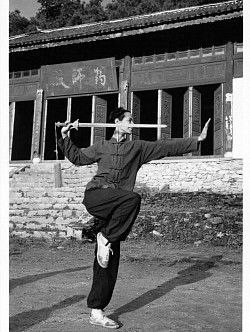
25,320
195,273
32,278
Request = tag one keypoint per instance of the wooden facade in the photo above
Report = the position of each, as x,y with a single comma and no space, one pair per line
175,68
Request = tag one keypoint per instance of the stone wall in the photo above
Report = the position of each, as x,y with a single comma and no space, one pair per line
218,175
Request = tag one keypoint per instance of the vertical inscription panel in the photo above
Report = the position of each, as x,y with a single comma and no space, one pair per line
238,68
196,113
100,117
37,122
186,114
196,116
218,111
166,115
136,109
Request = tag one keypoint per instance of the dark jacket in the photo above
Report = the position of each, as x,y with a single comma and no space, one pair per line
119,162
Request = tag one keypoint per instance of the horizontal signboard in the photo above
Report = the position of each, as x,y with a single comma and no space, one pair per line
79,77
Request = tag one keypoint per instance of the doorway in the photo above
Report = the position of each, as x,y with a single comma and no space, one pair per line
207,111
22,131
145,104
56,111
81,108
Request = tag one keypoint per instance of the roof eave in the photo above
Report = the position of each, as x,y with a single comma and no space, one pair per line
122,33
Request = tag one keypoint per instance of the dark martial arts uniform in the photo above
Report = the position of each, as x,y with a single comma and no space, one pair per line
109,195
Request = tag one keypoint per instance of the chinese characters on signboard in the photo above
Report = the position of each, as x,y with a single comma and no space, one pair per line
80,77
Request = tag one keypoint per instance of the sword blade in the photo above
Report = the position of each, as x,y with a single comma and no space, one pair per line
112,125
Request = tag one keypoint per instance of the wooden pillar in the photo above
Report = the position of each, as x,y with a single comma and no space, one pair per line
11,125
228,89
37,123
69,104
125,79
44,127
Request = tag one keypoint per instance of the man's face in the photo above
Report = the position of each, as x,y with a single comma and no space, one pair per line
124,125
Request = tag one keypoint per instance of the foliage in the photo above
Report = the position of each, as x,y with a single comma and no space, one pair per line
58,13
124,8
17,23
62,13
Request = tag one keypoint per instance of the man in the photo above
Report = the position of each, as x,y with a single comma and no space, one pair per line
109,196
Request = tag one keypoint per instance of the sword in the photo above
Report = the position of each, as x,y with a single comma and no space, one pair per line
76,124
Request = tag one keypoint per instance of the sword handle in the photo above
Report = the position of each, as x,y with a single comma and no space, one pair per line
75,124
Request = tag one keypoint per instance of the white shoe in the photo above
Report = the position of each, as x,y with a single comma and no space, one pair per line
103,251
103,321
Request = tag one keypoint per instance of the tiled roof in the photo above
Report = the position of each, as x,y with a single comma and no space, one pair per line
127,26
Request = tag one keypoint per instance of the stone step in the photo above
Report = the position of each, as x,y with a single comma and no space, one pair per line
45,190
82,170
48,180
50,184
48,200
72,172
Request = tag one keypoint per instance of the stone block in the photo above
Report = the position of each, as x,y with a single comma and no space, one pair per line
17,212
43,212
67,213
38,234
16,219
44,206
62,227
71,232
60,206
22,234
33,226
59,220
32,213
49,219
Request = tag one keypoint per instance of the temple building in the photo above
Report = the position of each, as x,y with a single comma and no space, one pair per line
177,67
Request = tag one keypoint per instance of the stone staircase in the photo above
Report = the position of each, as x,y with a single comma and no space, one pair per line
39,209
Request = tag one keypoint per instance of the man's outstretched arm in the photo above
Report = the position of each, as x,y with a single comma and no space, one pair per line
166,148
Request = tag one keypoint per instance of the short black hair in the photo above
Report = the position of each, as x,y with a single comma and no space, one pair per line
117,113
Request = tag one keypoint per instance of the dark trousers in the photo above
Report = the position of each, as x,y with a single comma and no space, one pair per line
117,210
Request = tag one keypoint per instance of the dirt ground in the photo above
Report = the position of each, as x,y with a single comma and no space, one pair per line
160,288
